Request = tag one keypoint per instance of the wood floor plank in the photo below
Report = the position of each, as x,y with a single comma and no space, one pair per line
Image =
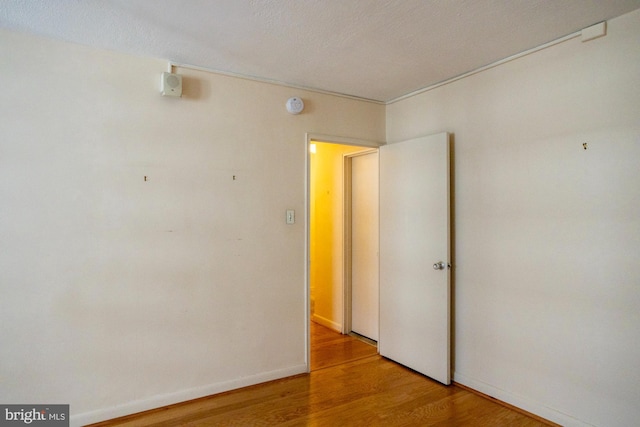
330,348
349,385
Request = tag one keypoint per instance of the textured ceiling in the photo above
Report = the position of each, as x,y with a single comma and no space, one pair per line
373,49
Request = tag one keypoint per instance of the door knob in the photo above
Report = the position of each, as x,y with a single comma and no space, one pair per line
438,265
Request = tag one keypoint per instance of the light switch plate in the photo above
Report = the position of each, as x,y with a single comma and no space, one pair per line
291,216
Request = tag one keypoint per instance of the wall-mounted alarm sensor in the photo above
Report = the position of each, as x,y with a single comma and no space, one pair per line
295,105
171,84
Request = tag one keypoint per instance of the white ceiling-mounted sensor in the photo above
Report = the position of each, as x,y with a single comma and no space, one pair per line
171,84
295,105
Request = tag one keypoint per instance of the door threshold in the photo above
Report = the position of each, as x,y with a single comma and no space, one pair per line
363,338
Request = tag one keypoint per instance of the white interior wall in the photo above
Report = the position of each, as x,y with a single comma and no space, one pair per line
120,294
547,234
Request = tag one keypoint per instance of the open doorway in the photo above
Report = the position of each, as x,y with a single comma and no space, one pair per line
329,231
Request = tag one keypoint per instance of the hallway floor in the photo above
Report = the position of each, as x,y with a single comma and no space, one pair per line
330,348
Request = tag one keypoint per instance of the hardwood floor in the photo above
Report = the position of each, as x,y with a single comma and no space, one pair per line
329,348
350,385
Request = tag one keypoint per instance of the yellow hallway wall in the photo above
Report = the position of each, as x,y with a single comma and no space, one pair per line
326,232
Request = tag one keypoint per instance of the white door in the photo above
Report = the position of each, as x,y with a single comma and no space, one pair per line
364,245
414,240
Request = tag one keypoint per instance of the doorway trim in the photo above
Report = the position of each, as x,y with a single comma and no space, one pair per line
309,139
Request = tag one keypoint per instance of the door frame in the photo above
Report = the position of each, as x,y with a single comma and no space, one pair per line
309,139
347,237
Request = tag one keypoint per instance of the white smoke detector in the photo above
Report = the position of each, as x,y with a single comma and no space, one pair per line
295,105
171,84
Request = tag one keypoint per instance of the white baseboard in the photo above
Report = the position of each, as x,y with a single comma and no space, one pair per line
521,402
180,396
326,322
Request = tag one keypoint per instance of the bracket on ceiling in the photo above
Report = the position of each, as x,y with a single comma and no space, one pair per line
594,31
